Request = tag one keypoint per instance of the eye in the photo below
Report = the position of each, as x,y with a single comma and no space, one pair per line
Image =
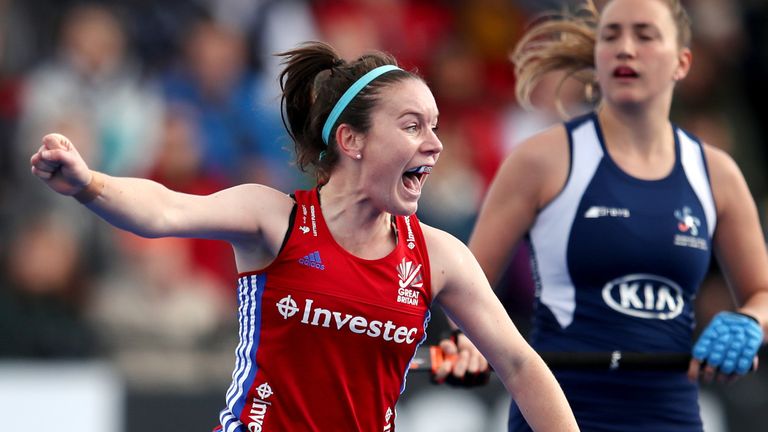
435,128
412,128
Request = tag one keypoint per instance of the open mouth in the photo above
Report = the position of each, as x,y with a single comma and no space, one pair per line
415,177
625,72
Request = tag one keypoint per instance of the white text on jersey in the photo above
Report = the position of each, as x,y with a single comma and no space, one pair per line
326,318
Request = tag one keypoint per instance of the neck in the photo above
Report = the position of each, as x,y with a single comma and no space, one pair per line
641,143
641,129
354,221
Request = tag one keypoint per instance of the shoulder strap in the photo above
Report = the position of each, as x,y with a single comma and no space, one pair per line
411,240
291,222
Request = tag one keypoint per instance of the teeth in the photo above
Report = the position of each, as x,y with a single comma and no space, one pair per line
420,170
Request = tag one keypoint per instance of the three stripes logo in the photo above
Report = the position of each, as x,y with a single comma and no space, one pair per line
313,260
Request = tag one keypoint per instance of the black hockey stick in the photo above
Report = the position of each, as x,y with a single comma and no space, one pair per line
429,359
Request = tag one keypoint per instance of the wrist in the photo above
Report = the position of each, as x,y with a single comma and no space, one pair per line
748,315
751,315
91,190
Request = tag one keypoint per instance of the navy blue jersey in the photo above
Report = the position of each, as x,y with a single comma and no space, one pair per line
617,262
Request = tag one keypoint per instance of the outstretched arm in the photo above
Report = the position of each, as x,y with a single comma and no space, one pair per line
461,288
243,215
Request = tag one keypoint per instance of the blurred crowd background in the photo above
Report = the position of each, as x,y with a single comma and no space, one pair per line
185,92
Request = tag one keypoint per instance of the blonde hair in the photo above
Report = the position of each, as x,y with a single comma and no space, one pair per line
566,42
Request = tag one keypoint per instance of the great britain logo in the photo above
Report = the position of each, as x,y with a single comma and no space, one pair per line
409,274
410,280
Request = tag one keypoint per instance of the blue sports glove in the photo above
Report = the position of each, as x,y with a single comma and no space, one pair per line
729,343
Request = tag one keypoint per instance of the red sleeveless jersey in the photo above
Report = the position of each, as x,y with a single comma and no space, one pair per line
326,337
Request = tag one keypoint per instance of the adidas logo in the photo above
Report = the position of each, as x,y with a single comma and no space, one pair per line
313,260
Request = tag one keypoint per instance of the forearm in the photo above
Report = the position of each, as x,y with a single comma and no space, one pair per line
539,396
757,307
133,204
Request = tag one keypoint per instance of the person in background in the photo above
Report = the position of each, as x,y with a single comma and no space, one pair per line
94,83
43,306
622,210
238,125
335,283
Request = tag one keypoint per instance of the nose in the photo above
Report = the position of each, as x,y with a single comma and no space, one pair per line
432,144
626,48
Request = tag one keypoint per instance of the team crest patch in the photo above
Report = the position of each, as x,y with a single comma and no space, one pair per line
409,275
688,230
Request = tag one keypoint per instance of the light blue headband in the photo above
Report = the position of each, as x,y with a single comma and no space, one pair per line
350,94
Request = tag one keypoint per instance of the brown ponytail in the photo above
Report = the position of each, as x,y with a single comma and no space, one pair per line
556,42
313,79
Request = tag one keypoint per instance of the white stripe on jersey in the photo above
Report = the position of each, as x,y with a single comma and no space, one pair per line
228,422
694,165
246,362
243,299
551,234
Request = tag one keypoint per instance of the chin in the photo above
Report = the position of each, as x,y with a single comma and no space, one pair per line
626,102
403,203
405,209
625,97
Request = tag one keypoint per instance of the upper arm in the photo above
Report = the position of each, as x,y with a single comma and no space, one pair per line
530,177
232,214
738,240
254,219
460,287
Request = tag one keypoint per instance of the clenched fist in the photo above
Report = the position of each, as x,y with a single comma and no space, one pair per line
58,163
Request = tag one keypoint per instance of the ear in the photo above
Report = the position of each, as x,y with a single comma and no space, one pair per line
350,143
684,62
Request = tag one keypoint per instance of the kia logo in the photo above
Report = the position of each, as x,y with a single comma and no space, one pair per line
644,296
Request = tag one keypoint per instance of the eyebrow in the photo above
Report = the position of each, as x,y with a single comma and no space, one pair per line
637,26
416,114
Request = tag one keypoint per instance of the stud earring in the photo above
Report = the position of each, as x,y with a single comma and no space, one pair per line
359,156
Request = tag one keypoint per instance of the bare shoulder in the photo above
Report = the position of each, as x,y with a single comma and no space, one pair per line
261,218
253,197
536,170
249,200
439,240
269,203
724,173
447,254
729,187
543,147
721,165
249,209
